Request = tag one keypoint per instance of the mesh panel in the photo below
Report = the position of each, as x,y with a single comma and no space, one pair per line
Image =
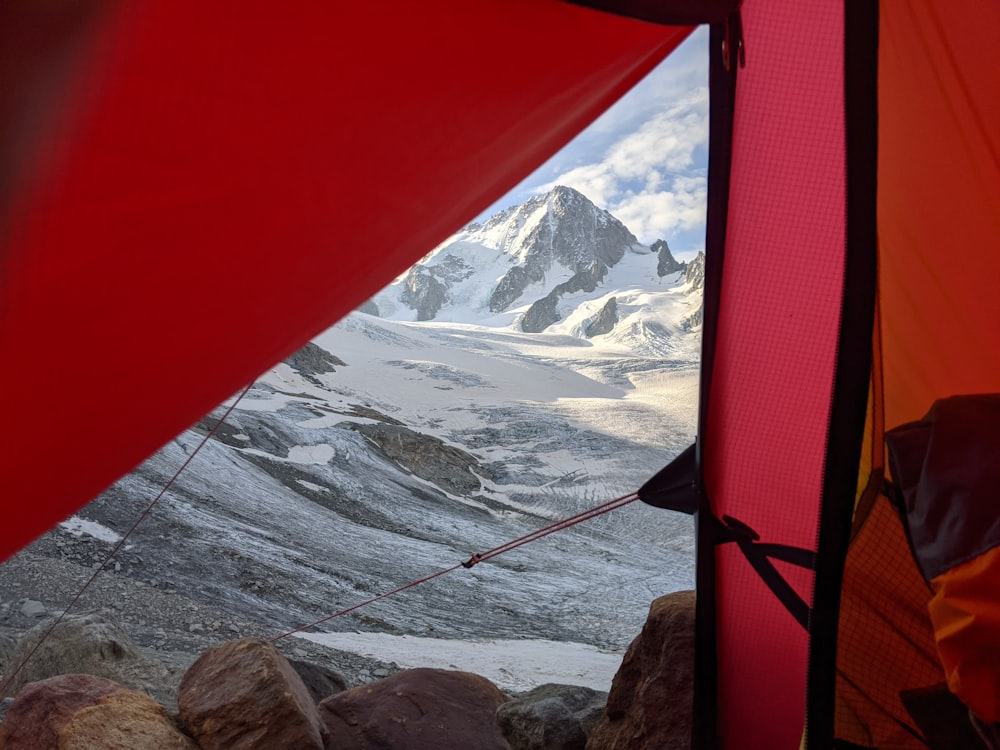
886,643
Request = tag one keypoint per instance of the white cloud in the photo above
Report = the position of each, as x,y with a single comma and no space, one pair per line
649,178
645,158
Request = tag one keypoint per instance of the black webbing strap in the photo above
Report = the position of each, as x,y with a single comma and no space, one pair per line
759,555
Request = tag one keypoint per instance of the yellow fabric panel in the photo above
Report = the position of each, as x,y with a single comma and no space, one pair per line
965,613
938,201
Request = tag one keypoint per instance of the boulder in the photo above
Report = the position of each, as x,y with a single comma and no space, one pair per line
89,643
551,717
43,708
244,695
84,712
319,681
7,648
123,720
650,703
436,709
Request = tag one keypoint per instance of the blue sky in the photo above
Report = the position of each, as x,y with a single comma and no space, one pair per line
646,158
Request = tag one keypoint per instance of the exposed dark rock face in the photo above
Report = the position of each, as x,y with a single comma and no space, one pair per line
312,361
541,314
428,457
694,273
424,293
666,262
244,695
605,320
418,708
577,235
551,717
581,232
426,286
510,287
652,696
369,307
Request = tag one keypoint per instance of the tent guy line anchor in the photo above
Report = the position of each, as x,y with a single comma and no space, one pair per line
565,523
121,542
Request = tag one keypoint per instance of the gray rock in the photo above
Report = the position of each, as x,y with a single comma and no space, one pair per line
694,273
605,321
424,293
312,361
551,717
541,314
511,286
428,457
7,647
666,263
32,608
578,236
89,643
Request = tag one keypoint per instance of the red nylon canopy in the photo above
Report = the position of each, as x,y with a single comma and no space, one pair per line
193,190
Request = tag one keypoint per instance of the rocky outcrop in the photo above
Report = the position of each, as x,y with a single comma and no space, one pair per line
312,360
544,312
427,457
541,314
551,717
424,293
666,263
575,235
511,286
605,321
426,287
244,695
694,275
418,708
650,703
90,643
83,712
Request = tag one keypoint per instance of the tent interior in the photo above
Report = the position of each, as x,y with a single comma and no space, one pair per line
163,152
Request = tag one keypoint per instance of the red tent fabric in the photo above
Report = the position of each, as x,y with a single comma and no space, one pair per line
194,190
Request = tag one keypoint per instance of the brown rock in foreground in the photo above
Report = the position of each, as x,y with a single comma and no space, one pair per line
244,695
650,703
418,709
43,708
84,712
123,720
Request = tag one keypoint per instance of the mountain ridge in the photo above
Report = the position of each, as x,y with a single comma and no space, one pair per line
531,266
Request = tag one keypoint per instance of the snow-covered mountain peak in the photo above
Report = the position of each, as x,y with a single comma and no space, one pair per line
555,259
